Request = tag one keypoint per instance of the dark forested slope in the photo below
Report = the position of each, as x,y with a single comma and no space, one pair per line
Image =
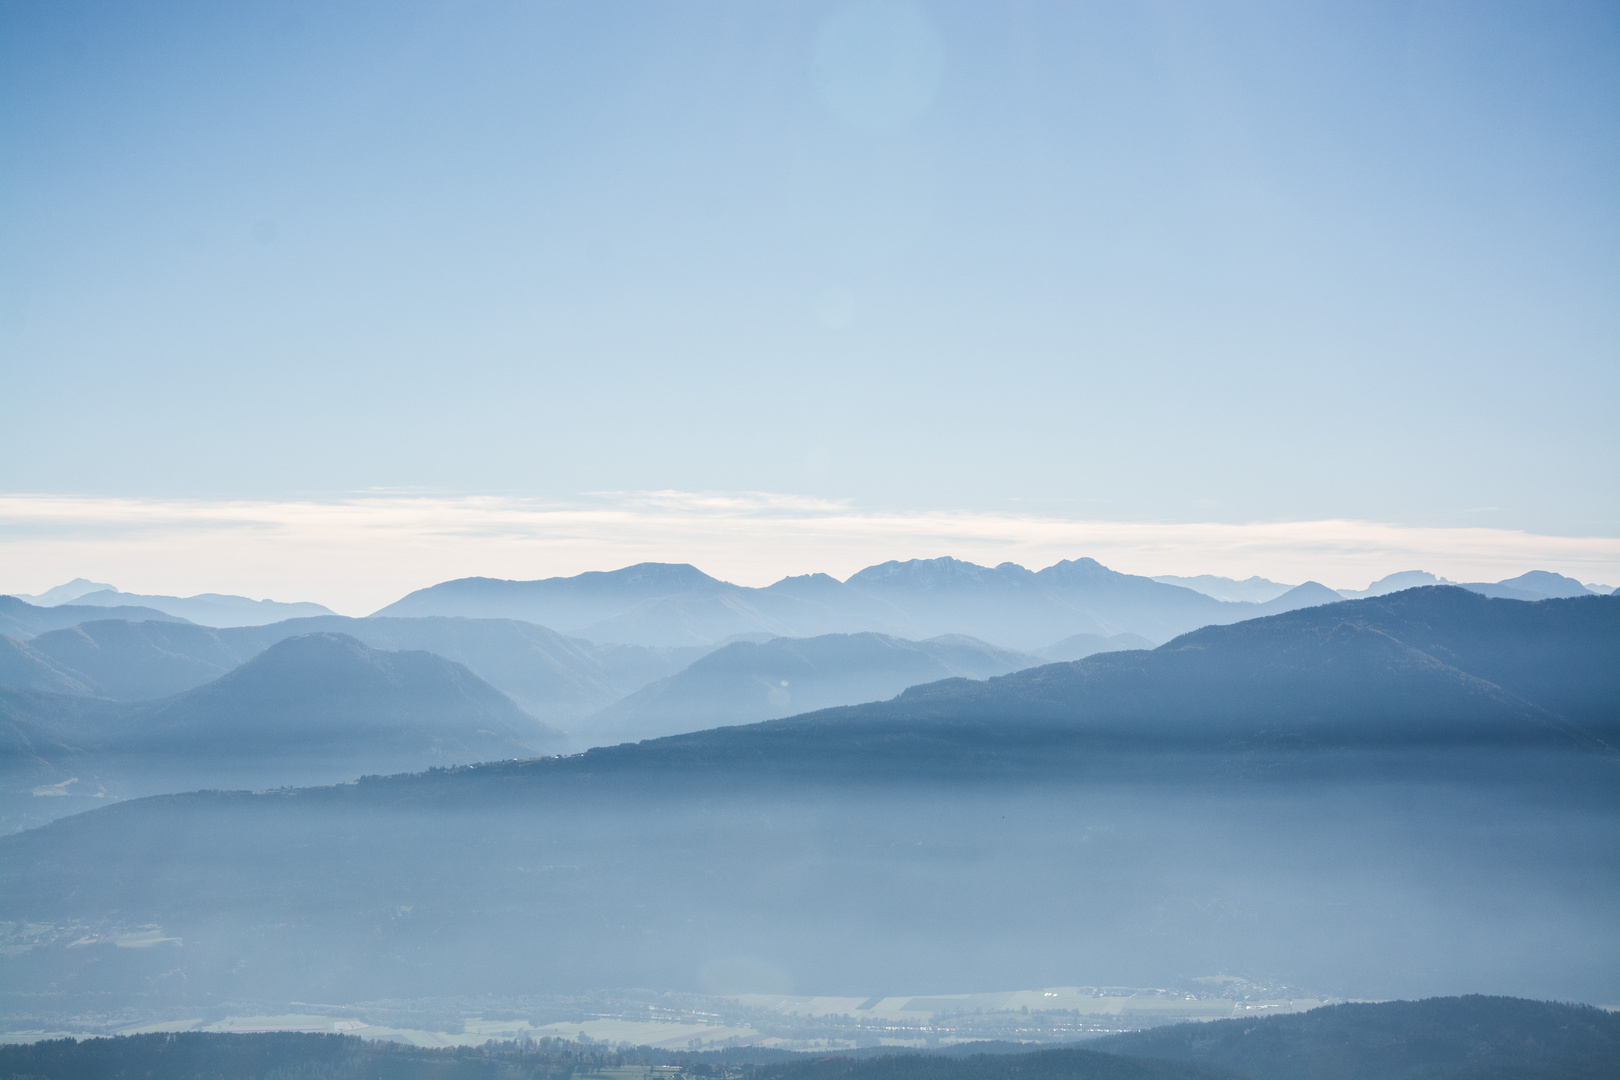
289,1056
1435,663
1459,1038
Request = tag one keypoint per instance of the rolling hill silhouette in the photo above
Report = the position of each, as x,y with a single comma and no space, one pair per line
549,675
320,708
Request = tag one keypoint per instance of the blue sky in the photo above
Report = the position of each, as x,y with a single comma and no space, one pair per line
1113,261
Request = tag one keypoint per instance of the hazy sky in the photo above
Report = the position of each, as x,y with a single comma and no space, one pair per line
1226,262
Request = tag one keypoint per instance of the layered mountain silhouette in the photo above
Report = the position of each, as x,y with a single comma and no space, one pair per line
319,708
1256,589
65,593
667,604
329,695
20,619
1310,594
549,675
208,609
1535,585
137,661
746,681
1438,663
1322,790
1397,582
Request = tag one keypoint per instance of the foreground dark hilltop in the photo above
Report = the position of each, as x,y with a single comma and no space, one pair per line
1437,666
1460,1038
203,1056
1438,662
1454,1038
1321,799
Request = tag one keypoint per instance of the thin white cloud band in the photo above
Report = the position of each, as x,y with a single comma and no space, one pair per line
358,552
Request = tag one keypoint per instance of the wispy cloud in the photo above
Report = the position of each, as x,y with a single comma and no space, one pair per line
359,552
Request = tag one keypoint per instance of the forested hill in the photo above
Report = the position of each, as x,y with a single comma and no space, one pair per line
1433,665
1437,663
1458,1038
293,1056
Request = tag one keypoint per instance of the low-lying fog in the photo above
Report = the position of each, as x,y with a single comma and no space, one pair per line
1342,872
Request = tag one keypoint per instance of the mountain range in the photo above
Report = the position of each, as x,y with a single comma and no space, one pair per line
1254,589
1404,795
1535,585
558,679
20,619
670,604
209,609
1007,605
596,693
64,593
584,687
1435,663
318,708
549,675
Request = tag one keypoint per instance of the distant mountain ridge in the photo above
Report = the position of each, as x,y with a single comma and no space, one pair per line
1535,585
20,619
207,609
1008,605
65,593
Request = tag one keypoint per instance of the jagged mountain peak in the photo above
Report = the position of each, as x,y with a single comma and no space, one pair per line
929,573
